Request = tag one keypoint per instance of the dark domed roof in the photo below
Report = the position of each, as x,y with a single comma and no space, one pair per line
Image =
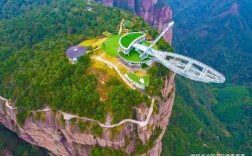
75,51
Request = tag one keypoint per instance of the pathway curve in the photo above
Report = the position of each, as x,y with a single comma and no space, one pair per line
140,123
7,104
71,116
117,70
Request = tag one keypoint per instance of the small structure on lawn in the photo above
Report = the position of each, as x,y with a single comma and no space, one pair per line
140,82
74,52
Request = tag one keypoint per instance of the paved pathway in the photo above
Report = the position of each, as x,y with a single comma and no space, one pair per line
120,31
7,103
140,123
71,116
42,110
117,70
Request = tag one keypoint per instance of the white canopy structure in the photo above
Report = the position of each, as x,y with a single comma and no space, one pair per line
141,80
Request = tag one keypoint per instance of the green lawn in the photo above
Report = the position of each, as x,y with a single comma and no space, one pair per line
133,57
136,78
126,40
111,45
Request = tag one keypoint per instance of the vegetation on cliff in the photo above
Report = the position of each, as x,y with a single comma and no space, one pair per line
35,71
216,120
98,151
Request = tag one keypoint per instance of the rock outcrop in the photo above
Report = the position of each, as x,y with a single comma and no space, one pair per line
63,137
152,11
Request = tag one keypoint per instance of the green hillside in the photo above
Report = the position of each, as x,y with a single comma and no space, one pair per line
206,119
36,72
9,8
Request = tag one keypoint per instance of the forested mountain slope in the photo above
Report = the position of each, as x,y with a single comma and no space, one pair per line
219,34
206,119
13,8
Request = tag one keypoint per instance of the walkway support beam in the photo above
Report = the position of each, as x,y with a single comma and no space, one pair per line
145,53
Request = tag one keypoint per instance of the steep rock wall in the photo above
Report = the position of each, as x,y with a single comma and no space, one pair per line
65,139
152,11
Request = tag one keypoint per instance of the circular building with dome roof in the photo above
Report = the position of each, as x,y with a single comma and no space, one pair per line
74,52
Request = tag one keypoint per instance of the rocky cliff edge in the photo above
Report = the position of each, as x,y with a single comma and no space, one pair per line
63,137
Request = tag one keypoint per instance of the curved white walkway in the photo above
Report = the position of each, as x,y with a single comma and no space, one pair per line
70,116
7,103
140,123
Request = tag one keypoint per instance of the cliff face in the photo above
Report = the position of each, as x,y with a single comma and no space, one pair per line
152,11
62,137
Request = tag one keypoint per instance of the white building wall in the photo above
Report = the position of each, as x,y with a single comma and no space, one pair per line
73,60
